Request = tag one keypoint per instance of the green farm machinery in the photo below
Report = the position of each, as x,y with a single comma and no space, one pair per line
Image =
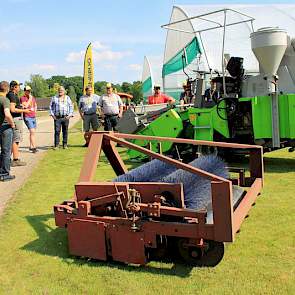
252,109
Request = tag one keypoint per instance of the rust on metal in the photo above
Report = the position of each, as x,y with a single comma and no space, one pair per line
125,220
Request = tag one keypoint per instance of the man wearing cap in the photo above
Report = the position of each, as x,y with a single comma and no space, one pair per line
111,108
16,110
87,108
159,97
29,102
6,133
61,110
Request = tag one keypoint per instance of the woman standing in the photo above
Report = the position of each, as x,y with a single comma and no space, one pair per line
29,102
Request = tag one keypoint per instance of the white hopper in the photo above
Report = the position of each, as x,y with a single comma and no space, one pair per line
269,45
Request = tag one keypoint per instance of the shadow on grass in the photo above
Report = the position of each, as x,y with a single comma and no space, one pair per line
25,149
271,164
279,165
53,242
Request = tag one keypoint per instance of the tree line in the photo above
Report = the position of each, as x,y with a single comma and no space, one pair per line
42,87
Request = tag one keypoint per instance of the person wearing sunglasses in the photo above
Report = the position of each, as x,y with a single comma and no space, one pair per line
29,102
160,97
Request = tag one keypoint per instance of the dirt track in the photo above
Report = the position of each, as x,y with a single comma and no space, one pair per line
44,138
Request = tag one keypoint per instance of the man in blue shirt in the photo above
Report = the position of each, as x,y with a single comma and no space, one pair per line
87,108
61,110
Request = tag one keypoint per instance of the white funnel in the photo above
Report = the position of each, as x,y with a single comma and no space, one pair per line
269,45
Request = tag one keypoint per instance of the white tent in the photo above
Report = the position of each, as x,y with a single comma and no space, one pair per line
147,78
183,29
151,75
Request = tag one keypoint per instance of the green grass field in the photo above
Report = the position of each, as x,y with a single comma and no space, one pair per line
34,257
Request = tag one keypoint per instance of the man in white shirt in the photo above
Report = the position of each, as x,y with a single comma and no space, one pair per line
111,108
87,108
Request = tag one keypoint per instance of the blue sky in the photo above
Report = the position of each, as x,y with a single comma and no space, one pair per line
49,36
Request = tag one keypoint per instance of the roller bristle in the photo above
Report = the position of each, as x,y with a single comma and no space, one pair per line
152,171
197,189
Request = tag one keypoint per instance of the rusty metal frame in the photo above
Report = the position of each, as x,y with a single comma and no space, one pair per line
226,220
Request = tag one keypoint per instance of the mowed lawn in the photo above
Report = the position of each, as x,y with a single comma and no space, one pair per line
34,256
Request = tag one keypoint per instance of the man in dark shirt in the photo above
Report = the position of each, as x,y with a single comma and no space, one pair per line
6,133
212,94
16,112
186,96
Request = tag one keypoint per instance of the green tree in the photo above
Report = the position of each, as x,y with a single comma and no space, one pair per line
72,93
118,87
39,86
56,80
126,87
99,87
136,91
76,82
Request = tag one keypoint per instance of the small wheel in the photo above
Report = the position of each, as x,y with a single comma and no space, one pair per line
210,255
230,108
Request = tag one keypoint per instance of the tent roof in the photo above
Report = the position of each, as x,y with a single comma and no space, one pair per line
146,69
237,39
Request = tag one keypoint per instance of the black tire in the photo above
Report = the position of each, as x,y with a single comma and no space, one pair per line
211,255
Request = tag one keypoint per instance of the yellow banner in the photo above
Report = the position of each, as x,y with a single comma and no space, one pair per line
88,69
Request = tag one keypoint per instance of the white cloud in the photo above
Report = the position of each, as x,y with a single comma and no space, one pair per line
135,67
12,28
98,56
23,72
110,67
98,45
110,55
44,67
75,56
4,45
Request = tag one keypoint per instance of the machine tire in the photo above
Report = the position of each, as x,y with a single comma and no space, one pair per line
211,256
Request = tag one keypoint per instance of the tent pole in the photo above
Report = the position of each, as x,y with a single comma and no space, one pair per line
205,52
222,57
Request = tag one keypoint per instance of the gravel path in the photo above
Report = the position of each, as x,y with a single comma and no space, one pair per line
44,138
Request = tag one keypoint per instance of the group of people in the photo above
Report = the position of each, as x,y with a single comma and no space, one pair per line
13,110
61,109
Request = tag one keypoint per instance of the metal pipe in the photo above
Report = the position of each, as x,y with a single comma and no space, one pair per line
205,30
186,141
206,57
222,58
228,25
208,13
276,140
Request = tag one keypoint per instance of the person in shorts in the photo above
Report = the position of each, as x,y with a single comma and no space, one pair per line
29,102
16,110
